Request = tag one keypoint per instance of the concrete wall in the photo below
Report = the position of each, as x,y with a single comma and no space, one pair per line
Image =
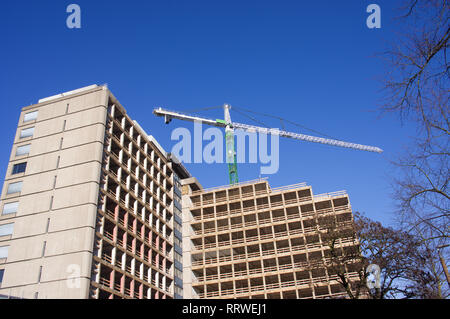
188,292
58,201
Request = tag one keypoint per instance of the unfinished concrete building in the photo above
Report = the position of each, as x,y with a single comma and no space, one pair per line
91,204
253,241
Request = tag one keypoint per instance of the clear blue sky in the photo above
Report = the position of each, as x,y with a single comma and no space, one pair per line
309,61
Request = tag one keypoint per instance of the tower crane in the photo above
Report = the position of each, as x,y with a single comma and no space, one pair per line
231,126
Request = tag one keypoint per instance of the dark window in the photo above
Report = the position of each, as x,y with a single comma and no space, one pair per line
177,204
178,220
2,272
178,282
177,191
19,168
178,235
40,274
178,249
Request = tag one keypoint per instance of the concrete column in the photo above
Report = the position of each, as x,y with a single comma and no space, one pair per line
113,255
157,279
113,110
111,279
132,288
141,271
164,247
143,232
133,245
133,266
121,156
122,284
141,291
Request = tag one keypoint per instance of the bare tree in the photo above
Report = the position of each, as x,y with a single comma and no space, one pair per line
404,259
339,260
417,89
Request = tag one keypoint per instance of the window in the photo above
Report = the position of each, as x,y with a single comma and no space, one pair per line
4,252
176,179
40,274
10,208
178,220
48,224
27,132
178,282
179,291
178,258
19,168
54,182
177,204
14,188
177,191
178,234
178,243
2,272
23,150
178,249
43,249
30,116
6,229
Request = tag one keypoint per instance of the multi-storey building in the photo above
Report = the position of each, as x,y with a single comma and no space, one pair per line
253,241
93,207
90,206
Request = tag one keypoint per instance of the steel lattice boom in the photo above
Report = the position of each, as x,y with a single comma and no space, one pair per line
309,138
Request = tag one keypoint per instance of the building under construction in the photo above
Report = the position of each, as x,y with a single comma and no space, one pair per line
253,241
93,207
91,204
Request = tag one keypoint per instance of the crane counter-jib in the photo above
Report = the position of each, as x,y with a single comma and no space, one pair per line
168,115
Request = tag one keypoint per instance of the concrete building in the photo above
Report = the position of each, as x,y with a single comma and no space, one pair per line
93,207
90,206
253,241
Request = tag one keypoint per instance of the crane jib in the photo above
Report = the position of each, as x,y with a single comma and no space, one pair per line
251,128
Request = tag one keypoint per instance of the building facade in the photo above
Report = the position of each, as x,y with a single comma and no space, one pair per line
253,241
90,206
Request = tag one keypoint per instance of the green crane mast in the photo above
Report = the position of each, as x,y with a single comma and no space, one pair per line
230,148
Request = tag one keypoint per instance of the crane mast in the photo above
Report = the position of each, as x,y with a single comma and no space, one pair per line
230,147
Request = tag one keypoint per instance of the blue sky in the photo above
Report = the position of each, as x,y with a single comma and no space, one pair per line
313,62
